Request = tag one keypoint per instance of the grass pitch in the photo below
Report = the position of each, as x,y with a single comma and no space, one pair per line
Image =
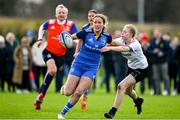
20,106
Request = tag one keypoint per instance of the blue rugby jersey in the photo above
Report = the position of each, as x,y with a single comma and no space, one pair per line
86,26
89,54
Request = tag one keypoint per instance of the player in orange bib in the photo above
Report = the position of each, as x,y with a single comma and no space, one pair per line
54,53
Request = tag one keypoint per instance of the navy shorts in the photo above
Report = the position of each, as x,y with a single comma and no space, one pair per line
138,74
58,60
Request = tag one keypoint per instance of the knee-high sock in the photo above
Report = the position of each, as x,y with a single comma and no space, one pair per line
66,108
47,80
85,93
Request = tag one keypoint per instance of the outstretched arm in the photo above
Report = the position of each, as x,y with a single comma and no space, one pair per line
116,42
116,48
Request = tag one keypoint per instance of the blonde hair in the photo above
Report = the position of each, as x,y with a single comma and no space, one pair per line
61,6
104,18
132,29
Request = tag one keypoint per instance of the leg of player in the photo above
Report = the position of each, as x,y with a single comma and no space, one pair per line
83,101
47,80
70,86
84,84
68,89
122,87
137,100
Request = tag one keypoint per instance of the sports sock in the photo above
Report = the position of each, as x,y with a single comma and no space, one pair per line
136,100
46,83
113,111
66,108
85,93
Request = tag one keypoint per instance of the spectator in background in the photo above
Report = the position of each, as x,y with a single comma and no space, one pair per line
3,56
144,40
31,37
39,66
173,66
23,60
177,58
119,62
10,48
159,50
108,69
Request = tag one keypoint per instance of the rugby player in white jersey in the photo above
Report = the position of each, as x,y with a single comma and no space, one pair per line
131,49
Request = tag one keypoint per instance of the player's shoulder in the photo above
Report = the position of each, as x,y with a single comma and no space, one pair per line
136,44
70,22
51,21
86,26
106,33
88,30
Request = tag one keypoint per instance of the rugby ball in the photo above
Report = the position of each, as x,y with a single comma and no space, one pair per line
66,39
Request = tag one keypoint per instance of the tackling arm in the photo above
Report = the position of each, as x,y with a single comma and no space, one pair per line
120,48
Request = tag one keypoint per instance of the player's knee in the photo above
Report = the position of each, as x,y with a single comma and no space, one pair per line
122,87
78,93
67,93
127,92
53,71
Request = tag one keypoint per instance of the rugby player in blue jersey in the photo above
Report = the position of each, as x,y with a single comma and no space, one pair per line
86,63
91,14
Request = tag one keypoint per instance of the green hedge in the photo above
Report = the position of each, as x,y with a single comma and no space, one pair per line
20,26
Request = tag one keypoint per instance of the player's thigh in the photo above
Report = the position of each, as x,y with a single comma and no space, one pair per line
127,81
84,84
71,83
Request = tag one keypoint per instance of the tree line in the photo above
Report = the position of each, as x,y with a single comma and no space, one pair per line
159,11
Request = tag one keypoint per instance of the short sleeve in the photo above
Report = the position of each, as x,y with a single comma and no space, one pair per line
73,29
134,46
109,39
81,34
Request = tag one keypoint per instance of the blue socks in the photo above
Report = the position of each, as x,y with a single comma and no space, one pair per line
46,83
85,93
66,108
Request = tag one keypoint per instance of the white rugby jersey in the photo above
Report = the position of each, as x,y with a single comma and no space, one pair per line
136,58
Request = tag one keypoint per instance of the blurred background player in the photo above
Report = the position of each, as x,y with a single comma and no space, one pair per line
54,53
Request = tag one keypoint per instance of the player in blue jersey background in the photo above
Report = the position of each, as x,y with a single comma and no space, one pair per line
86,63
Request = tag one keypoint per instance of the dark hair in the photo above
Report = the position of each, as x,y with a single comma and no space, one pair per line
93,10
